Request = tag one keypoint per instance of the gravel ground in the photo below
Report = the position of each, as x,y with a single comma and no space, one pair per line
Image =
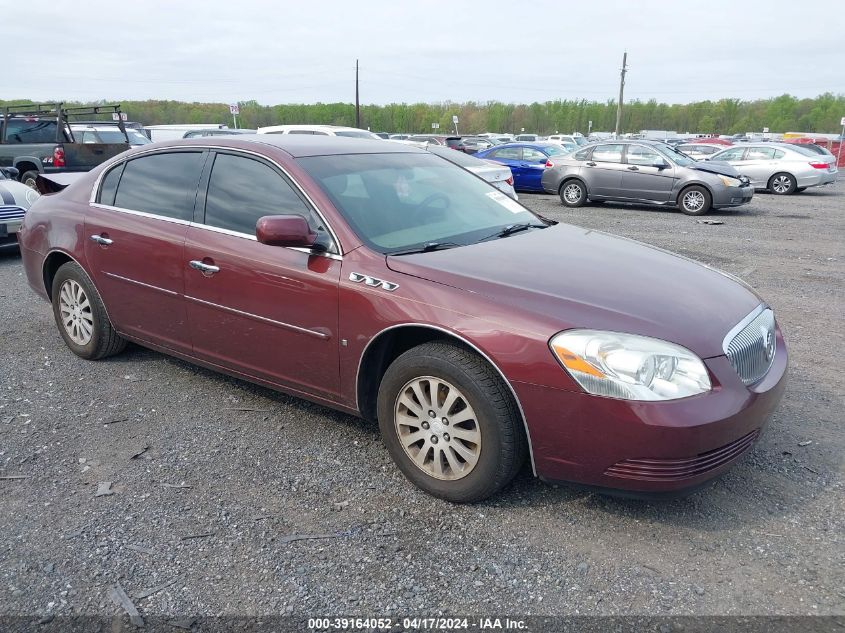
210,477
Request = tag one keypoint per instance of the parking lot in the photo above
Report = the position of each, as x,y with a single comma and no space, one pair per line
227,498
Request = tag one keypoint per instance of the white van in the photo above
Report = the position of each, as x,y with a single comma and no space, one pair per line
320,130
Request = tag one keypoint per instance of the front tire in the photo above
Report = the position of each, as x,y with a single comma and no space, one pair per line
695,200
573,193
450,423
28,178
81,316
782,184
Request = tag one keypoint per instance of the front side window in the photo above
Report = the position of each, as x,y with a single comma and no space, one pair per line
639,155
730,154
161,184
399,201
760,153
610,153
582,154
241,190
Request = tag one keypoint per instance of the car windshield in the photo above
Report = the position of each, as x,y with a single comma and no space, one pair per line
400,201
116,136
356,134
802,149
580,140
557,150
679,158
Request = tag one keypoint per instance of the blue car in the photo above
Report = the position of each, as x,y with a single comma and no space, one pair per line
527,161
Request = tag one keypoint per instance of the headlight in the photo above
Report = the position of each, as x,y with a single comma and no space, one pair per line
730,182
630,367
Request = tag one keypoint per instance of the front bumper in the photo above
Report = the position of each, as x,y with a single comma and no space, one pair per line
732,196
650,447
8,234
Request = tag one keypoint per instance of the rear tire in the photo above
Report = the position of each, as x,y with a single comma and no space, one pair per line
800,189
28,178
81,316
573,193
782,184
694,200
474,443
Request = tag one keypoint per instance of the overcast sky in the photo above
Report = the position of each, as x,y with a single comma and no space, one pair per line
422,51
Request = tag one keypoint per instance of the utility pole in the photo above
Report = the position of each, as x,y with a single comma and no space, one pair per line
621,91
357,103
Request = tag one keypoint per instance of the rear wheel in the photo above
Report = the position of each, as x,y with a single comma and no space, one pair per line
694,200
81,316
450,423
800,189
782,184
573,193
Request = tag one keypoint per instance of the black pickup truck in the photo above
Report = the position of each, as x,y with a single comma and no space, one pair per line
37,139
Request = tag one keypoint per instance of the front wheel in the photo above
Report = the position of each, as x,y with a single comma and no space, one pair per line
573,193
782,184
695,200
28,178
81,316
450,423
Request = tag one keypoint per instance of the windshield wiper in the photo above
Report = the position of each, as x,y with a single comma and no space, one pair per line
510,229
427,248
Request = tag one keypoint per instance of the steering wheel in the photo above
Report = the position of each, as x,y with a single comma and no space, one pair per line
433,198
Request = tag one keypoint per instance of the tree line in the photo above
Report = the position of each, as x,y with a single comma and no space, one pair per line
725,116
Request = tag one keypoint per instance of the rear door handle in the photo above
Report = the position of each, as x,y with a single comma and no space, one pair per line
634,168
102,241
205,269
591,164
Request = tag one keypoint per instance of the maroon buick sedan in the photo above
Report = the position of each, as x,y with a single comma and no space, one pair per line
386,282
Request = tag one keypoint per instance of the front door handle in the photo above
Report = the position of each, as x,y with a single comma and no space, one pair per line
102,241
591,164
205,269
634,168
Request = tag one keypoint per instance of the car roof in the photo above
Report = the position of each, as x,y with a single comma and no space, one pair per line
297,145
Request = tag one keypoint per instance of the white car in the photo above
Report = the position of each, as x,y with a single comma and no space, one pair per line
780,168
567,138
15,199
107,134
699,151
319,130
496,174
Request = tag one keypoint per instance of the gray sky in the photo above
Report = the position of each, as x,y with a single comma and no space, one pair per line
423,51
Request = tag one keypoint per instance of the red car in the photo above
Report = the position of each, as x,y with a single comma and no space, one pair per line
386,282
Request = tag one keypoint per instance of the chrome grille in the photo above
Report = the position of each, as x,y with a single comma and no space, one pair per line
750,347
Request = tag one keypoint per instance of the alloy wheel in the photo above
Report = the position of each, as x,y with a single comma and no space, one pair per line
75,310
781,184
572,193
438,428
693,201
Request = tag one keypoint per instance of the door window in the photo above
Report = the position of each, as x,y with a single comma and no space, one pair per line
530,155
640,155
161,184
241,190
760,153
608,153
508,153
730,154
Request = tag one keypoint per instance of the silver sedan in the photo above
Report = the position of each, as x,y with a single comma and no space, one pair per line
780,168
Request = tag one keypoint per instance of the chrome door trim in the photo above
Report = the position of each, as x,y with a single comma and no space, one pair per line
250,315
471,345
141,283
163,150
142,214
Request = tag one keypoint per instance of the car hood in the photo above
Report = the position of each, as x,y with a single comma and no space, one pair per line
578,278
716,167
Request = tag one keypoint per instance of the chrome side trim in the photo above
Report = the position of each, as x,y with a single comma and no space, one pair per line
741,326
170,293
477,350
282,324
93,197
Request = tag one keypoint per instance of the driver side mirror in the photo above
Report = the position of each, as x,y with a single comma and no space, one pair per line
285,230
12,173
660,164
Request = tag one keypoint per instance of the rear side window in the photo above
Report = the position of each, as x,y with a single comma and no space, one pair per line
108,188
241,190
508,153
23,131
161,184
